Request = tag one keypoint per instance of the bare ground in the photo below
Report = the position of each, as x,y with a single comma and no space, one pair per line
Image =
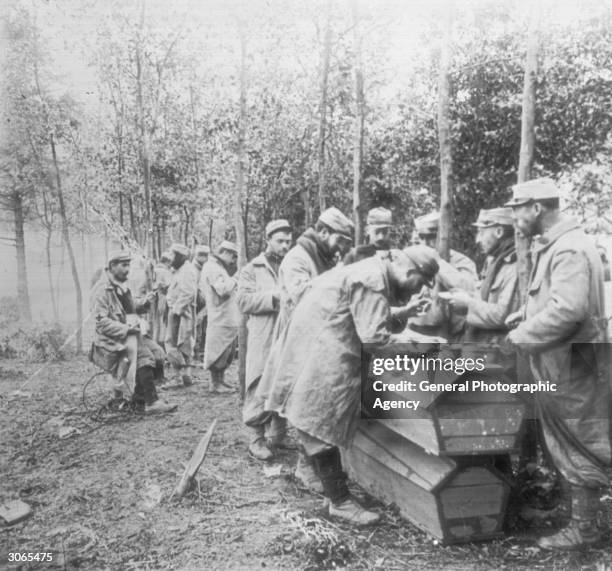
100,488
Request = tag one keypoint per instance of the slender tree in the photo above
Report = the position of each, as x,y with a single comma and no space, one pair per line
359,122
444,139
238,211
323,81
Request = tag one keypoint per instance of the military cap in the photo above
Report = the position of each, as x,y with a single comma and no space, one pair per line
379,217
425,261
229,246
119,256
337,221
279,225
427,224
536,189
180,249
201,248
494,217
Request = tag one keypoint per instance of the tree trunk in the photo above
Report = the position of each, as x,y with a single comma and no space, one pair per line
23,295
527,146
529,444
238,217
66,236
359,122
444,140
50,275
325,57
144,143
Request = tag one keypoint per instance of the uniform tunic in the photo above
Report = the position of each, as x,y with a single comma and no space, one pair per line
564,335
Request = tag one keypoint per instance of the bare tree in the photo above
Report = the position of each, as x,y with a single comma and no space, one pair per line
444,140
238,211
323,80
359,122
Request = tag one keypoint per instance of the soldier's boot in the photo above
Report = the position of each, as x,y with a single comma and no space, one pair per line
258,447
584,527
216,383
276,434
186,376
328,466
307,476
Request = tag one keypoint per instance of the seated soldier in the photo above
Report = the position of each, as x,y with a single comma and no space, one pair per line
112,305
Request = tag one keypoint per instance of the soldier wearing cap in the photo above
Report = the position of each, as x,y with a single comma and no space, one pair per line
378,236
200,257
459,272
162,276
259,299
497,294
562,330
315,252
219,289
427,230
114,307
316,365
181,300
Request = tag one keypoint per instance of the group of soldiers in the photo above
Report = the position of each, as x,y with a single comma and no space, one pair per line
311,307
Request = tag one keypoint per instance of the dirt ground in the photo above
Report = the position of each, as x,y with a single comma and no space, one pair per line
100,487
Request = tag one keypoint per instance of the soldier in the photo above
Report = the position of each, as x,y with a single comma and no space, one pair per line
378,236
201,253
159,306
113,306
259,298
458,272
314,253
219,289
562,330
316,366
181,299
497,294
427,230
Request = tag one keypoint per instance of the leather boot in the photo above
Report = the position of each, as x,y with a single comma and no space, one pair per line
306,475
217,386
584,528
258,448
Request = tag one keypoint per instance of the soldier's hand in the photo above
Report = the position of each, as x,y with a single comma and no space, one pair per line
513,319
457,299
150,296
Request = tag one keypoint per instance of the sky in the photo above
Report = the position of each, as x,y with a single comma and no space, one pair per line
392,29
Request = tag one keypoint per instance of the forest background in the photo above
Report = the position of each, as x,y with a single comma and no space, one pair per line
149,122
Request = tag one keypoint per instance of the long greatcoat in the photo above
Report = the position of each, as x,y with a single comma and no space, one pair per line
258,298
315,371
295,274
181,300
563,333
223,316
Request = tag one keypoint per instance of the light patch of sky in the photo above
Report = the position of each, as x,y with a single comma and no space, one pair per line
392,27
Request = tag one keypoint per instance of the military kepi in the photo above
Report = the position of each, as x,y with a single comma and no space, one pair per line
337,221
379,218
229,246
118,256
279,225
533,190
427,224
494,217
180,249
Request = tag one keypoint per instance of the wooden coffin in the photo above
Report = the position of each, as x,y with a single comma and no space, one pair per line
453,501
461,423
